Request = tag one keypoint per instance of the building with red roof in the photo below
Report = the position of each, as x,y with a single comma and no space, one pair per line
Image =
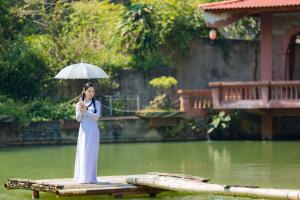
277,93
251,4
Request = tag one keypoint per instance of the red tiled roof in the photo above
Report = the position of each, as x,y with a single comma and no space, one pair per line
248,4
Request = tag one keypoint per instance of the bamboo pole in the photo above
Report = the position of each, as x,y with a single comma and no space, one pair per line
186,185
195,178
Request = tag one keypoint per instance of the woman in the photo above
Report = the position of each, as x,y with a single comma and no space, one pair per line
87,113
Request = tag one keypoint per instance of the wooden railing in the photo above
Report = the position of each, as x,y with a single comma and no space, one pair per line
195,102
260,94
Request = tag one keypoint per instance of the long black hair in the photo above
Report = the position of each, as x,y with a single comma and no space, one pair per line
85,87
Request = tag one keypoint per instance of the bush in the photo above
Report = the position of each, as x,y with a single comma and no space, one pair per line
163,82
35,110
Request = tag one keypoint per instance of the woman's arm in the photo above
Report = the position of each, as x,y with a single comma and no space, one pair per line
78,113
96,115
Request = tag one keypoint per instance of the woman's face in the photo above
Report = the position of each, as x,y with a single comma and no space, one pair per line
89,93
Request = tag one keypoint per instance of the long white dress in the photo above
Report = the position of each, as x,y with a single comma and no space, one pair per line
87,143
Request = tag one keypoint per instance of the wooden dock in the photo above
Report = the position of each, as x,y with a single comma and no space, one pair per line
108,185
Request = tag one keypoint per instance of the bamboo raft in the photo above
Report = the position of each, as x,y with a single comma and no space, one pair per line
150,183
108,185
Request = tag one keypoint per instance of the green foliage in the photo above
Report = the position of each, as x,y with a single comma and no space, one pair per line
44,111
111,35
153,60
137,29
179,22
75,31
118,106
186,127
163,82
5,21
148,26
219,121
35,110
140,37
23,69
172,131
197,126
91,34
10,108
247,28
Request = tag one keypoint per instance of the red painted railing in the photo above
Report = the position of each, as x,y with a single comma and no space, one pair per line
195,102
260,94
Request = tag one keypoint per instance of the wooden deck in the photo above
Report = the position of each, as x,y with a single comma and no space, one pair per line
108,185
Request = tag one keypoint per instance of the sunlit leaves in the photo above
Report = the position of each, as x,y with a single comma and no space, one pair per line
163,82
219,121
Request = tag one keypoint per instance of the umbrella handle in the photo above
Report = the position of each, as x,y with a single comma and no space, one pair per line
81,98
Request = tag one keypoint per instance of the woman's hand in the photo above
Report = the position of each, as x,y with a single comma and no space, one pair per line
82,107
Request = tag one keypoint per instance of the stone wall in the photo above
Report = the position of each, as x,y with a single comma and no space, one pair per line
220,60
133,129
135,82
112,130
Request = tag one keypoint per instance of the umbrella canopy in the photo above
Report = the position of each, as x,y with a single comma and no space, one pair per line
81,71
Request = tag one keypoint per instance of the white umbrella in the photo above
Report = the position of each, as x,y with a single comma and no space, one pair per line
81,71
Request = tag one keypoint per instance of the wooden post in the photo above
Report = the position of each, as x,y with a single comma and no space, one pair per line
266,47
216,97
265,95
152,194
127,105
267,126
118,196
110,105
184,103
137,102
35,194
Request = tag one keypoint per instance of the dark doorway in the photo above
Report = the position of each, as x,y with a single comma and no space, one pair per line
292,65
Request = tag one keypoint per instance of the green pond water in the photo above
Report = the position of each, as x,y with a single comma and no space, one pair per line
265,164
